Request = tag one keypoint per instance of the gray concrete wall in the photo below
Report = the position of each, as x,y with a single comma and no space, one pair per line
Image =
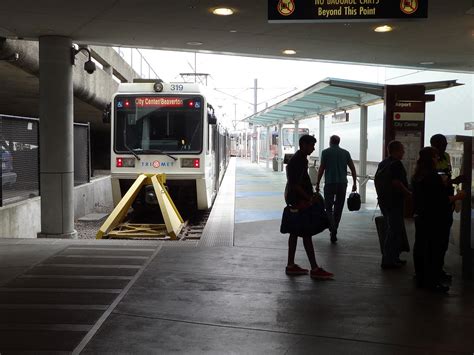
95,89
23,219
95,196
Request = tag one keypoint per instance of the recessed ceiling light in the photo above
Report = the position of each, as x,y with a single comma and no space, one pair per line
427,63
384,28
194,43
289,51
233,31
223,11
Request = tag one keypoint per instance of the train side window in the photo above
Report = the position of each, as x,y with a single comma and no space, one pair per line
209,140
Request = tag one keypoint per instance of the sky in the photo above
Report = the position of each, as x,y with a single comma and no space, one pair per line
231,79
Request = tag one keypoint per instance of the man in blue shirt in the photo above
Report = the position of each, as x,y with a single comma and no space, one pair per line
334,163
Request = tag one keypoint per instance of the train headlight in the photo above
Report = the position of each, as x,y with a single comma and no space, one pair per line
125,162
158,86
190,163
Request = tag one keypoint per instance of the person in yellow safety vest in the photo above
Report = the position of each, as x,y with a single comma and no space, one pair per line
444,168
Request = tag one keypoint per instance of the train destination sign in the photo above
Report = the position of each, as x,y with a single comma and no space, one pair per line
158,102
298,11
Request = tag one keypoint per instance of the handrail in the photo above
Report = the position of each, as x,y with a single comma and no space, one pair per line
122,52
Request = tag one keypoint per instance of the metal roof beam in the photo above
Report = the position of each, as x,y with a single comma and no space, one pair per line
357,99
317,101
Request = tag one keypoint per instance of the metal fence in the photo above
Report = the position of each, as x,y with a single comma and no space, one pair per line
138,62
19,144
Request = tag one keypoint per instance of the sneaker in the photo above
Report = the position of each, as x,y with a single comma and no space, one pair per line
321,274
445,277
333,238
438,288
295,270
391,266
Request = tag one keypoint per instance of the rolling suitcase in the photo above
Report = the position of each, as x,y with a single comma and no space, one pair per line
382,230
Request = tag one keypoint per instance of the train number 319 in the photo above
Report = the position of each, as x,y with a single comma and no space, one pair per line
177,87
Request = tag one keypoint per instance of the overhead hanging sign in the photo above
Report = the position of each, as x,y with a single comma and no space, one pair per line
469,126
340,117
298,11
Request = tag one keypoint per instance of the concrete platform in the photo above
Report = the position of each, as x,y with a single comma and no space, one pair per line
237,299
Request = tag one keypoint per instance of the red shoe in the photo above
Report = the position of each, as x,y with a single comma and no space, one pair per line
295,270
321,274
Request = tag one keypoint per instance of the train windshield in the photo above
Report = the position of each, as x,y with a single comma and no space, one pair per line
158,124
289,135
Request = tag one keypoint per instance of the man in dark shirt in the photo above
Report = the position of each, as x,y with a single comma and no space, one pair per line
299,195
391,204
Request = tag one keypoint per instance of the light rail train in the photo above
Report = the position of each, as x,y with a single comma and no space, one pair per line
168,128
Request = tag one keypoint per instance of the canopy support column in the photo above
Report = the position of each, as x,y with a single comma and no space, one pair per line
363,153
258,145
268,143
296,136
321,136
280,147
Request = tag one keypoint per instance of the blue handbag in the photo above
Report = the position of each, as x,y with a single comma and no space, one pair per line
305,222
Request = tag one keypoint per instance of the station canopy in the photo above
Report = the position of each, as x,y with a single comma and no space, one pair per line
329,96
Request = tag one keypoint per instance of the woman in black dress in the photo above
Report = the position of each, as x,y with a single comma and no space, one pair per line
432,215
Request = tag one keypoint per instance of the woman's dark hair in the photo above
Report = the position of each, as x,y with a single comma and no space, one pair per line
425,164
307,139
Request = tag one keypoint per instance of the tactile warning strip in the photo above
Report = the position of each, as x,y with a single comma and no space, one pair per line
59,304
219,229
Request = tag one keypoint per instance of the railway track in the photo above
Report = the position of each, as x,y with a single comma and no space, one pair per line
192,230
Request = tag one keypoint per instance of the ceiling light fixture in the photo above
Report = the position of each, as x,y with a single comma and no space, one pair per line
194,43
233,31
223,11
427,63
384,28
289,51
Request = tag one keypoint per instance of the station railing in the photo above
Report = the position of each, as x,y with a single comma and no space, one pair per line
19,170
138,62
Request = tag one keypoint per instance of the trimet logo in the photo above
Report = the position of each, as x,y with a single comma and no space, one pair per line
157,164
408,6
286,7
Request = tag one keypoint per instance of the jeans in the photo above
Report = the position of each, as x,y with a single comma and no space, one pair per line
395,229
334,197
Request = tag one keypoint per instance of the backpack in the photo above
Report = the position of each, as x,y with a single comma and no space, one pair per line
353,201
383,184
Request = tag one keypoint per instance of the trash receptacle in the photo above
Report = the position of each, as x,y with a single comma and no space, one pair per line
275,163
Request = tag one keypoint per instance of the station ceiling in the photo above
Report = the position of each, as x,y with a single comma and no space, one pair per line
445,38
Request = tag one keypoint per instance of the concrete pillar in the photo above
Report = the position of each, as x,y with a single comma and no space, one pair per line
268,144
296,136
280,146
363,153
321,136
56,138
108,69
